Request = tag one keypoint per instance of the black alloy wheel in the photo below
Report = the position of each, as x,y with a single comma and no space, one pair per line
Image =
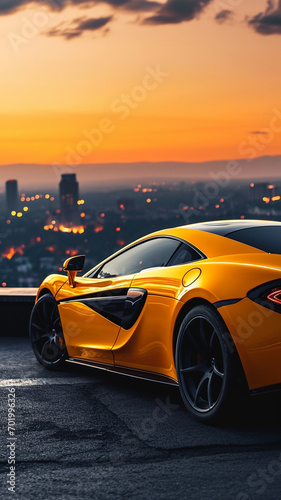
46,333
205,363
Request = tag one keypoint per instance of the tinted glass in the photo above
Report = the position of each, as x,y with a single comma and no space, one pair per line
183,255
151,253
266,238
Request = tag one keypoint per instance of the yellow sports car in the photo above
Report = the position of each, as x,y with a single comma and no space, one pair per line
196,306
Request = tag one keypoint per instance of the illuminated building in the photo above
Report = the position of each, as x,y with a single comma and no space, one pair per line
12,195
69,190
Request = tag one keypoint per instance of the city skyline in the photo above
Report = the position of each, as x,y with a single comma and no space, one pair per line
139,81
110,176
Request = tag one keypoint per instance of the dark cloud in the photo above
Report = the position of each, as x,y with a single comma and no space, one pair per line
268,22
141,5
177,11
10,6
223,15
79,26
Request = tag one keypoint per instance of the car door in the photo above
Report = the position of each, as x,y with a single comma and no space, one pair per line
92,312
91,315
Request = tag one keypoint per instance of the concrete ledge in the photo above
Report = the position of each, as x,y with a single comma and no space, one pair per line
15,307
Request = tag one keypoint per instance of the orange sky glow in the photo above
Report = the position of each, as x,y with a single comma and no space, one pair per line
137,80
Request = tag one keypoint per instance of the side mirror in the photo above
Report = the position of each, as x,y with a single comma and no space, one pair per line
73,265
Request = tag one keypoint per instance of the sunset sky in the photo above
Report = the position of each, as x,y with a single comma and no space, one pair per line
139,80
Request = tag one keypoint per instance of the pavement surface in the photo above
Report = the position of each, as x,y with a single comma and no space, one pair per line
86,434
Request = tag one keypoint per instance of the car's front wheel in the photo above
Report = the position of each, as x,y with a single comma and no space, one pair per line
205,363
46,333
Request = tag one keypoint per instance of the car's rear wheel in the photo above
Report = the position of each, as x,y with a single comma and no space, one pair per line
205,363
46,333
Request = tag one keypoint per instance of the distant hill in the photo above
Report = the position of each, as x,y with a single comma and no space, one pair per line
110,175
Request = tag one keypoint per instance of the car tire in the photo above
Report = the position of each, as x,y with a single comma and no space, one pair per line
46,333
205,363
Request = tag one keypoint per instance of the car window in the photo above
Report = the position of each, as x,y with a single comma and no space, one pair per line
183,255
265,238
155,252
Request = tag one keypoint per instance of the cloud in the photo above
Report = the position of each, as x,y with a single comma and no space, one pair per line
79,26
223,15
177,11
268,22
10,6
141,5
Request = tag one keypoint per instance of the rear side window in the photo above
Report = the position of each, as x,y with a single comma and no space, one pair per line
266,238
150,253
183,255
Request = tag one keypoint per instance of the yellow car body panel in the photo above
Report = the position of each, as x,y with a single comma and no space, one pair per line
88,334
148,345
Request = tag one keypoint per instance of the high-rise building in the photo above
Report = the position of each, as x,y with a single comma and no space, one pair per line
69,192
12,195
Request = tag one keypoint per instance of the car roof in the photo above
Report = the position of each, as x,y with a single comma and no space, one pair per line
211,237
225,227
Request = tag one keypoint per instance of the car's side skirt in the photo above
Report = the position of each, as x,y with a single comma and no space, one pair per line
123,370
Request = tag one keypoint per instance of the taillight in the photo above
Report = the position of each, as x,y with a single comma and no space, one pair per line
267,295
275,296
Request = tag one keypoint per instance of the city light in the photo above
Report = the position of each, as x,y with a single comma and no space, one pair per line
64,229
11,251
121,213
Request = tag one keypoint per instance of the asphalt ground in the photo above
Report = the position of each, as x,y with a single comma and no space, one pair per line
86,434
